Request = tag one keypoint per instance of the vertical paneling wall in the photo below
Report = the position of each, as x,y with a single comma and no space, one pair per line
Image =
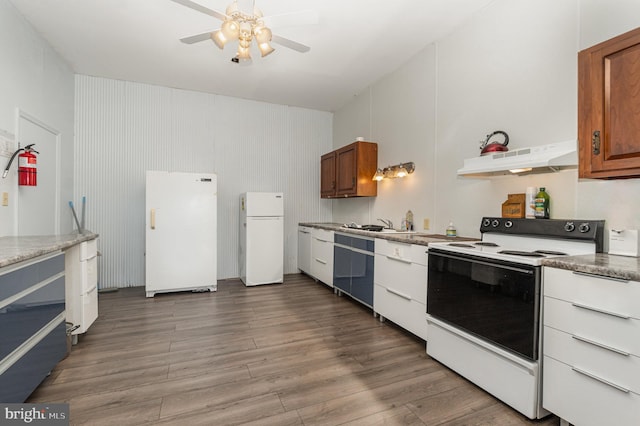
123,129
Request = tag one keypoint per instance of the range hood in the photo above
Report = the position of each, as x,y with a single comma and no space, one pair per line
540,159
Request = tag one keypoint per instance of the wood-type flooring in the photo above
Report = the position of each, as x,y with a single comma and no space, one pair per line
283,354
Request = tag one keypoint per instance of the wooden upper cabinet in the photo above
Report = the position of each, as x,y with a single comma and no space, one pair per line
348,171
328,175
609,108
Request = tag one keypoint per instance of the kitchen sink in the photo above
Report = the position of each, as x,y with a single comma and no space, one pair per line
395,231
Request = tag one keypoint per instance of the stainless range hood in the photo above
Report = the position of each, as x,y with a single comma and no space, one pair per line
540,159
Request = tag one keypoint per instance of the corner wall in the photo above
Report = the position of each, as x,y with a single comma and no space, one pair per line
35,79
504,70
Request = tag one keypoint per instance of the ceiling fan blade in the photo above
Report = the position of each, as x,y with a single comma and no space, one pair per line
195,6
290,44
304,17
196,38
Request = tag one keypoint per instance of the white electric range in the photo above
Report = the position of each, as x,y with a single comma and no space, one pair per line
484,305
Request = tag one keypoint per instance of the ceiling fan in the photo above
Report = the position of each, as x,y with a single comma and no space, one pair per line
244,22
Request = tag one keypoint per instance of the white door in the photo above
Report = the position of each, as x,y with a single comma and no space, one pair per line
181,250
265,250
38,206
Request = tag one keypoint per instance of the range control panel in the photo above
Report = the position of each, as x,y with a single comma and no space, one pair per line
578,229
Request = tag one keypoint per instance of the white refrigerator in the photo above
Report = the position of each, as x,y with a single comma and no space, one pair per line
181,232
261,238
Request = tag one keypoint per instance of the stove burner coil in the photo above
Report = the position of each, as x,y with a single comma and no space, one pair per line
486,244
461,245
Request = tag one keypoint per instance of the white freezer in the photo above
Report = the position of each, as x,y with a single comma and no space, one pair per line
181,230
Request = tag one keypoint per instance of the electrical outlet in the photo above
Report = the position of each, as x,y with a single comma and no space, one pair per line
5,199
425,225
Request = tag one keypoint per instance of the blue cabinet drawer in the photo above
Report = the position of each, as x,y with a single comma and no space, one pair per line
21,379
15,281
25,316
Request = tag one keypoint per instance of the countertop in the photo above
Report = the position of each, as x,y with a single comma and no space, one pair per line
418,238
607,265
18,249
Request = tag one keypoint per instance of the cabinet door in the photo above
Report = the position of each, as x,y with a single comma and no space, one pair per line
304,249
609,108
342,268
328,175
362,277
346,165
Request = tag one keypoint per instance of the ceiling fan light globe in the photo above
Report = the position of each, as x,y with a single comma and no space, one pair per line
265,48
219,39
263,34
243,53
230,29
232,9
243,42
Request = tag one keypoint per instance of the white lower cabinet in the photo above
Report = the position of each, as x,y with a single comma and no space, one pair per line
400,285
591,350
304,249
322,255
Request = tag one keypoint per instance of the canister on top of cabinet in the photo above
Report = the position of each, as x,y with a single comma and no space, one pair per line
624,242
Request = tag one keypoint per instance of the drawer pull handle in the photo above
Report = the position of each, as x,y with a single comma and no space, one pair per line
324,262
600,345
600,311
399,259
606,382
397,293
602,277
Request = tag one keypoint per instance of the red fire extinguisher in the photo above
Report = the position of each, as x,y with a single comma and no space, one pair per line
27,166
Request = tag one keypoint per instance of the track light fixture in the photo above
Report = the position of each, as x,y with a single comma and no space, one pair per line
397,171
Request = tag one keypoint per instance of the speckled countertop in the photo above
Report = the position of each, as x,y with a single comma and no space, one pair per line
418,238
608,265
18,249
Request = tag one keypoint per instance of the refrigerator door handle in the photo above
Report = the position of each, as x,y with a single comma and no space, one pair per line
153,219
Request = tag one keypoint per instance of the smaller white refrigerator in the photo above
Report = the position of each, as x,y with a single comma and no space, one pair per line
261,243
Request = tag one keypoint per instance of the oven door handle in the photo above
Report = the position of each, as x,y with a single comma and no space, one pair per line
481,262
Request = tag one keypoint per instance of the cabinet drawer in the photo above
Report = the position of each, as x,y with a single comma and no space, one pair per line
598,292
407,313
591,355
585,401
407,252
322,260
17,278
322,234
607,329
409,279
88,250
22,318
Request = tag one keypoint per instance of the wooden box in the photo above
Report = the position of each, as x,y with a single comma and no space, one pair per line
514,206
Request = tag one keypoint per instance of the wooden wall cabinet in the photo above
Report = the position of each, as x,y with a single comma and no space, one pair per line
609,108
348,171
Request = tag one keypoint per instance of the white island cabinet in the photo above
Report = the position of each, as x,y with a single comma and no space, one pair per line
81,285
400,285
591,355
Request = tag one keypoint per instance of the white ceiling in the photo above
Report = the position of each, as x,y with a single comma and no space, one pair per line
355,43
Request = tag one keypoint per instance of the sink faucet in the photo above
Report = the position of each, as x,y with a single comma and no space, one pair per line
387,223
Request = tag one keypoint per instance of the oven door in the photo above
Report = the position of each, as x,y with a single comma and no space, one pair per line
494,300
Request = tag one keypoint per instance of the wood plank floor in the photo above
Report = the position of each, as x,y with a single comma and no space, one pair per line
287,354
